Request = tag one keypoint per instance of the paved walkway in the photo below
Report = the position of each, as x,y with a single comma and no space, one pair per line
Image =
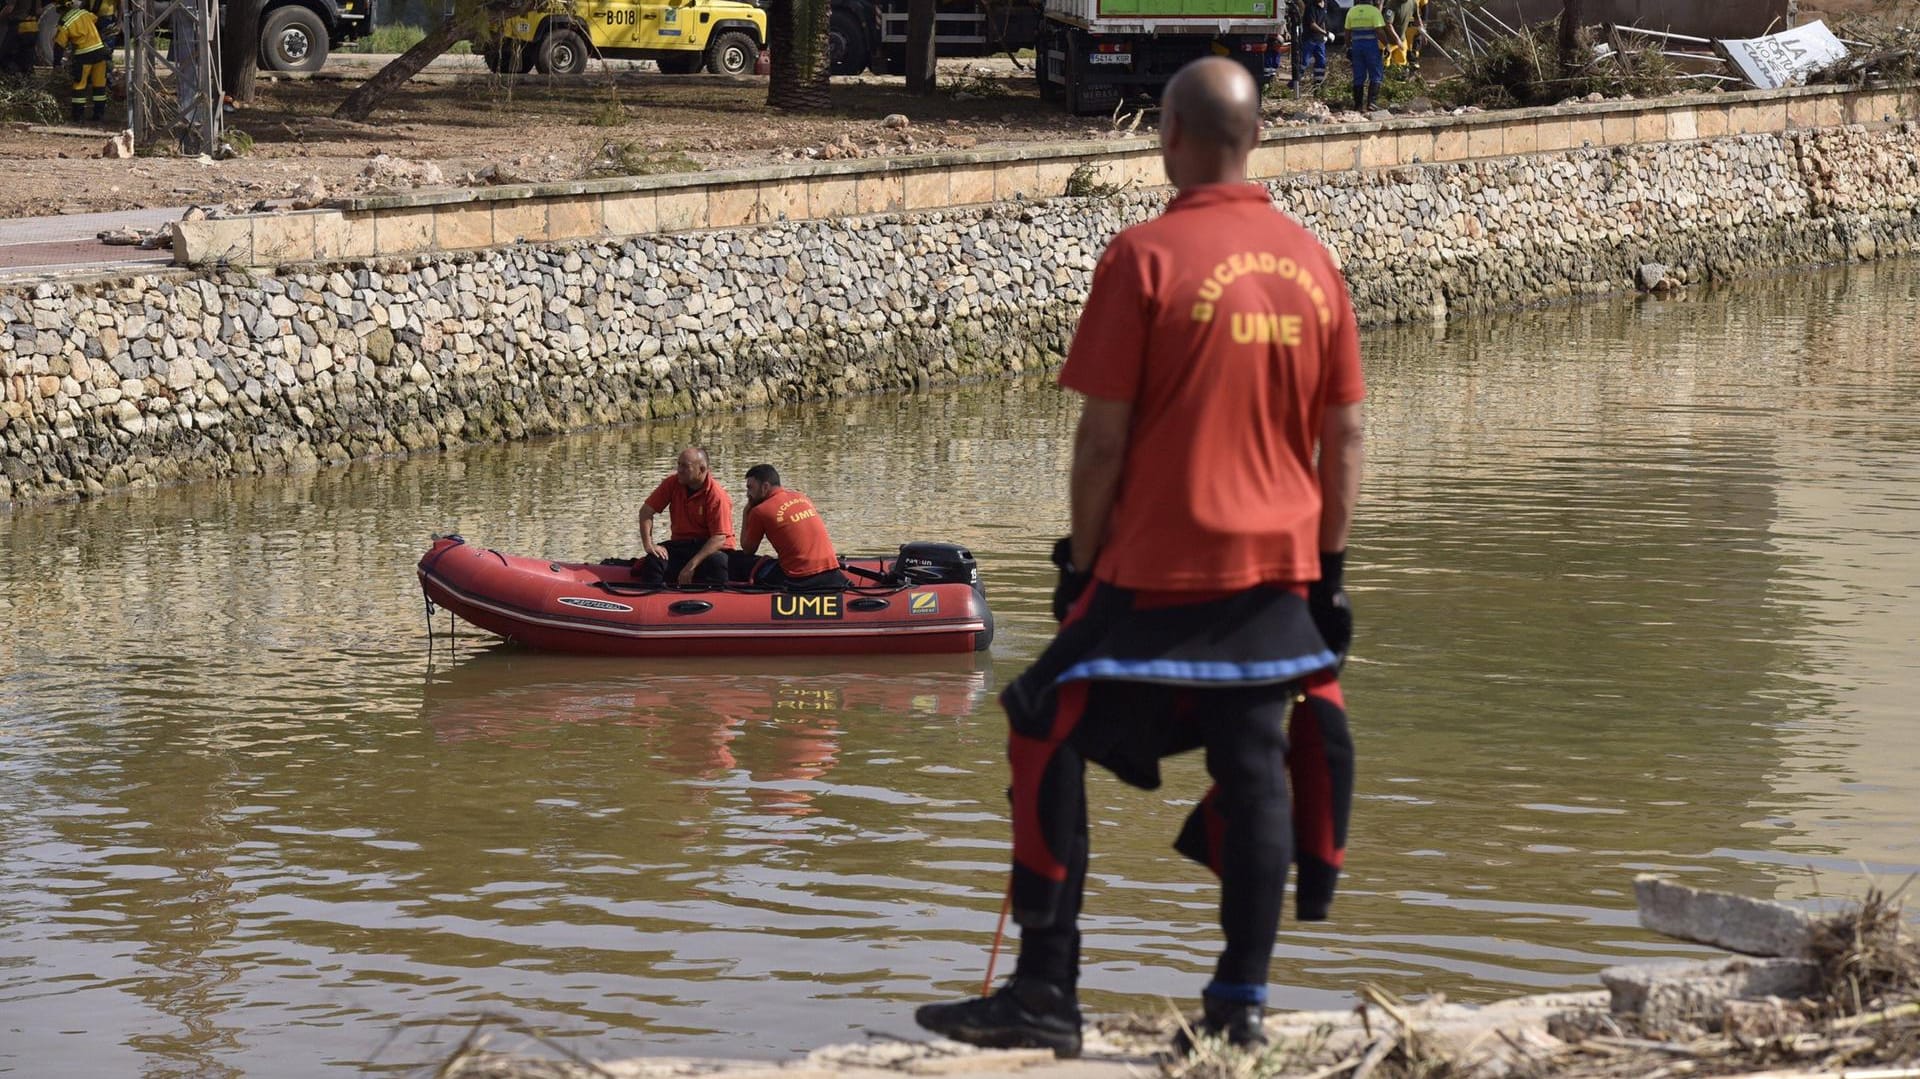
30,246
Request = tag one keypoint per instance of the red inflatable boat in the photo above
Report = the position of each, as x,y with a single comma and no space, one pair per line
926,599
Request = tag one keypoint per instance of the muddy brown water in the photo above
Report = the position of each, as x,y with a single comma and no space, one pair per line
1638,586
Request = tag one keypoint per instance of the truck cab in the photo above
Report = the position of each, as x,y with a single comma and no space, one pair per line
682,36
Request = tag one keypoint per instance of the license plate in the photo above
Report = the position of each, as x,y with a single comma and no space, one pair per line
1110,58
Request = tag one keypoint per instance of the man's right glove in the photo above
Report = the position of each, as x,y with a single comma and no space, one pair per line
1072,581
1327,603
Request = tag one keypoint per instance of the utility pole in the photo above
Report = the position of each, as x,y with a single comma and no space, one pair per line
175,91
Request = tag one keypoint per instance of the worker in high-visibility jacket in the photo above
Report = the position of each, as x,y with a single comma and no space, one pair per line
87,57
19,30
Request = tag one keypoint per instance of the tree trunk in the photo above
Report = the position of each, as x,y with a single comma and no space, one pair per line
797,36
240,49
922,57
1573,13
360,104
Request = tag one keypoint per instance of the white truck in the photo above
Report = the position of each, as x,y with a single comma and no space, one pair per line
1092,54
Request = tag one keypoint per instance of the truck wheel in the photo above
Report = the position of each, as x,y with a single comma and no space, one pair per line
847,43
563,52
732,53
292,39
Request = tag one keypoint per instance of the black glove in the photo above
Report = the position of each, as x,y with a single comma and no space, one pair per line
1072,581
1327,603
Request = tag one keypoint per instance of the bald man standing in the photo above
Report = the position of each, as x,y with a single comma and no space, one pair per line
1215,470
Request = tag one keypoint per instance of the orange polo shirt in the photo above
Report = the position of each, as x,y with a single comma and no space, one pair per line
799,536
696,515
1228,327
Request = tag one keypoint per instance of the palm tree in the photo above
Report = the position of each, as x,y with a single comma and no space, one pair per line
797,37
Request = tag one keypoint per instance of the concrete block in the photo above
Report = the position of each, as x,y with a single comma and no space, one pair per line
733,205
355,239
519,221
573,217
462,225
786,200
1143,170
1415,147
1554,134
1340,153
1012,178
1683,125
881,193
1380,150
682,209
969,184
1650,126
206,242
1711,121
1829,111
1520,137
281,238
1733,922
633,213
1305,155
1803,112
832,196
1615,131
1450,144
1586,131
1484,141
1769,118
1050,177
400,232
1673,992
1268,161
928,189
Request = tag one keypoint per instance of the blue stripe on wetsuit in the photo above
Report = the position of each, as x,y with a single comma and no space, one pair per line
1197,671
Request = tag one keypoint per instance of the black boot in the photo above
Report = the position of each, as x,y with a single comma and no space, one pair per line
99,114
79,114
1359,99
1373,96
1239,1023
1022,1014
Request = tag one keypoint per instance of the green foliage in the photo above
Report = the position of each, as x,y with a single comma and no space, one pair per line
239,143
633,159
29,100
398,39
1523,70
1084,183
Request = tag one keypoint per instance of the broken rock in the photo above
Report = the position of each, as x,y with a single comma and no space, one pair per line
1667,994
1736,923
895,119
120,146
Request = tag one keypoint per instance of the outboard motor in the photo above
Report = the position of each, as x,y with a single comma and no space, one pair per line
945,563
937,563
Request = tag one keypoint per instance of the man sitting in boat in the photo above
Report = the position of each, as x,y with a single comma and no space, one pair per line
804,557
701,519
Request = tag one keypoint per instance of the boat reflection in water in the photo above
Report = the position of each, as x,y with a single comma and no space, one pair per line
774,724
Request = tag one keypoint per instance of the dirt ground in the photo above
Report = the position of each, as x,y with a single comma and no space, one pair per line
457,124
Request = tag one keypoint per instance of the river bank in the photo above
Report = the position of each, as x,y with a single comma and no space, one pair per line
167,376
1802,995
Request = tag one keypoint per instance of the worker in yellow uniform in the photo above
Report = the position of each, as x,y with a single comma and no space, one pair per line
87,55
19,31
1409,17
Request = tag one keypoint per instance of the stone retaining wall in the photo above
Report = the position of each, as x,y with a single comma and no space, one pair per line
177,375
452,220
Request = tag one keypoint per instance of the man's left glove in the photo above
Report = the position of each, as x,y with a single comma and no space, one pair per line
1327,603
1072,581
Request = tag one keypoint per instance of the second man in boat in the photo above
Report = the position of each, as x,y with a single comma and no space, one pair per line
804,559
